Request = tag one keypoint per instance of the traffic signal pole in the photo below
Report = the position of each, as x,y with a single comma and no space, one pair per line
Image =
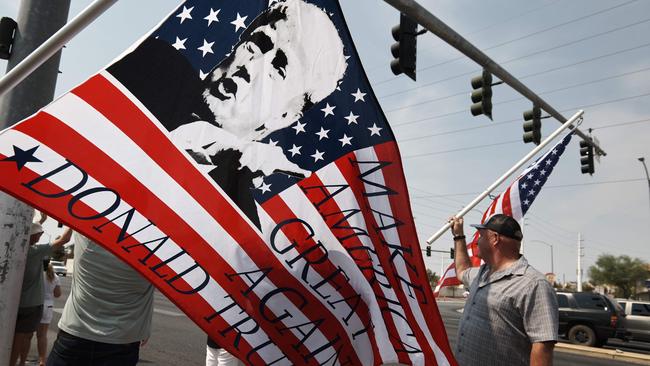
429,21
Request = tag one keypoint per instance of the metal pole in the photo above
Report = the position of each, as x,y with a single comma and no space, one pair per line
48,48
642,160
579,263
507,174
447,34
552,260
550,246
523,225
37,21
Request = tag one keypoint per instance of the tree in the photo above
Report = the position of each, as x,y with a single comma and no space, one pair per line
433,278
622,271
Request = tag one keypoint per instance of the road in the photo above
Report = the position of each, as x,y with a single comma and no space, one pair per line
176,341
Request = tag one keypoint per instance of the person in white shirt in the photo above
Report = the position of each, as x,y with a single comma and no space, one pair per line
51,289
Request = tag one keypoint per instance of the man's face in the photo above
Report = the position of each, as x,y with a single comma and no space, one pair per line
34,238
260,90
484,242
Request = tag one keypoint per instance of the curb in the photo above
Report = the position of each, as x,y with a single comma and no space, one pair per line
610,354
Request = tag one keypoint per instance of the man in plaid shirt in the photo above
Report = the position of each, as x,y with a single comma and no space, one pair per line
511,313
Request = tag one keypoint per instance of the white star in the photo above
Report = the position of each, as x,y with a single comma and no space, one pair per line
345,140
322,134
531,192
299,127
524,186
543,172
212,17
530,176
358,96
352,118
265,187
328,110
206,48
202,74
273,142
548,162
179,44
239,22
317,156
374,130
526,202
295,150
185,14
538,182
554,151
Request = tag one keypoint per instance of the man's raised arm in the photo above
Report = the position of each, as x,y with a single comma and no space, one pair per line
461,259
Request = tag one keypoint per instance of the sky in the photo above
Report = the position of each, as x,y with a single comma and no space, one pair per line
583,54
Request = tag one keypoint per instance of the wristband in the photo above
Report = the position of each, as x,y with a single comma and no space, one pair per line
459,237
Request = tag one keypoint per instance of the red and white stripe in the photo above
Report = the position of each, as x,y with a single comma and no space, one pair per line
104,130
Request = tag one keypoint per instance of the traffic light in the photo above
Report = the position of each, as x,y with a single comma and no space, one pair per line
7,29
428,251
533,125
405,48
586,157
452,253
482,95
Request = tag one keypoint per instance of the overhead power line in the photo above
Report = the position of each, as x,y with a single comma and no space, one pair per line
564,110
545,187
523,37
420,137
540,93
523,76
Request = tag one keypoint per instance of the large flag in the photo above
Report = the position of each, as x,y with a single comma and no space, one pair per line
238,159
514,201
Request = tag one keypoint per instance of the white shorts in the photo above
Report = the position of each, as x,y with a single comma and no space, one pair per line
220,357
47,314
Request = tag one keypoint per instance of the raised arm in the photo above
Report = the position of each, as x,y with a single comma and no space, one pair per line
64,238
461,259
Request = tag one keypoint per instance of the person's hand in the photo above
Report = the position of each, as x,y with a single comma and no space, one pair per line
268,159
456,225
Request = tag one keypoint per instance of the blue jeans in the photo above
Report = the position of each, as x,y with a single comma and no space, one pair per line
69,350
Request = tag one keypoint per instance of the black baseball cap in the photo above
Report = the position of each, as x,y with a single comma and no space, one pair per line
504,225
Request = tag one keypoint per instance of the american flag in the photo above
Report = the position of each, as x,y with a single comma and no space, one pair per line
321,267
514,201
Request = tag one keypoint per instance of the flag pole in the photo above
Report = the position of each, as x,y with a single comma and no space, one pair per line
510,171
53,44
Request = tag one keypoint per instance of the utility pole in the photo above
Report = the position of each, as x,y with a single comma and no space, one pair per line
579,281
523,225
647,176
37,21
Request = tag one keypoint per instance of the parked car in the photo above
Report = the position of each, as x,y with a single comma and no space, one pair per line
638,319
589,319
59,268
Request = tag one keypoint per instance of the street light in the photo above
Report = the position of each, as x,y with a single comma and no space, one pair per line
642,160
551,246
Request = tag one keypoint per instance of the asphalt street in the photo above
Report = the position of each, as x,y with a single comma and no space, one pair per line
176,341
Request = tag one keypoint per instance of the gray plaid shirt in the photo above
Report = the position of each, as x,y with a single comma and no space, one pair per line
505,313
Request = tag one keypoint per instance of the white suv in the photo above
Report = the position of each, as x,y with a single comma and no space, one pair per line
59,268
638,319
